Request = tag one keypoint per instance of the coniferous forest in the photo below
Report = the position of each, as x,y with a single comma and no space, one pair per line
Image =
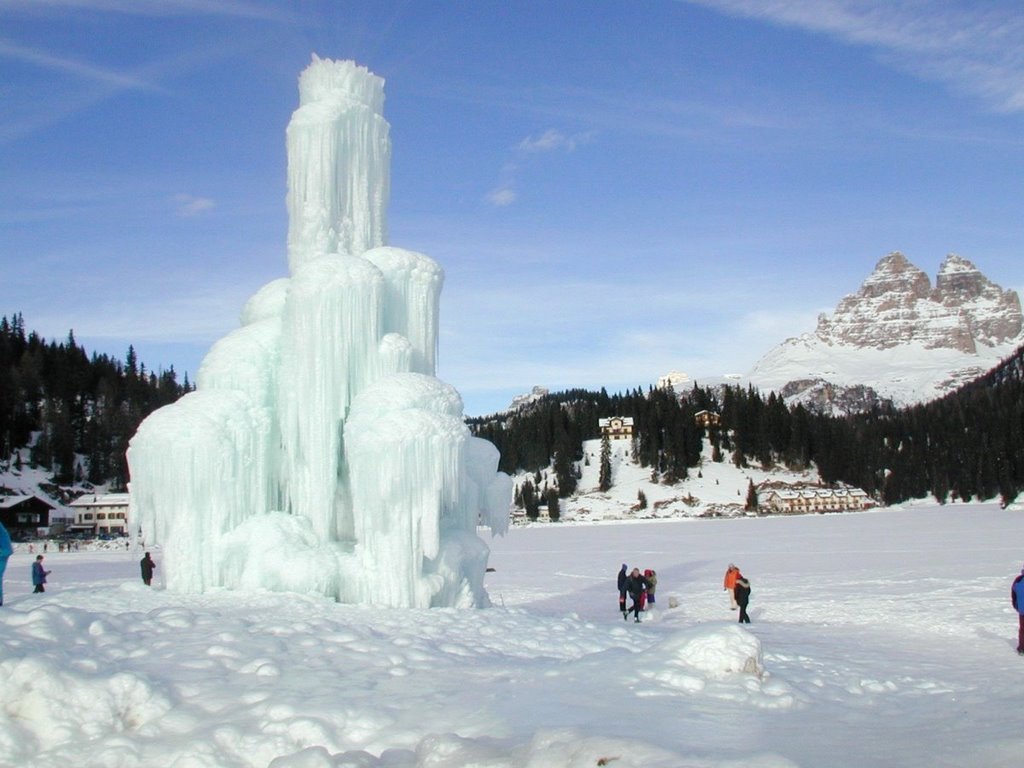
63,405
968,444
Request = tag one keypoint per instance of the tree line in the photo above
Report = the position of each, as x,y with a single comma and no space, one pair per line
70,413
968,444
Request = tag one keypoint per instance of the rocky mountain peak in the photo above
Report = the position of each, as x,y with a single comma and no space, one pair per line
897,305
895,277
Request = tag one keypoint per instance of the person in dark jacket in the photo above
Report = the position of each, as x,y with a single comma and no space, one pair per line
148,566
39,574
742,594
636,585
622,591
1017,598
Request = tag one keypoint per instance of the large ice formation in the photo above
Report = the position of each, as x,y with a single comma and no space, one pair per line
319,453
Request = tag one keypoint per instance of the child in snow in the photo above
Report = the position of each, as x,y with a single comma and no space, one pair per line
39,575
652,582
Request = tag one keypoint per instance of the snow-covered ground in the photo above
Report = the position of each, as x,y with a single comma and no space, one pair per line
885,638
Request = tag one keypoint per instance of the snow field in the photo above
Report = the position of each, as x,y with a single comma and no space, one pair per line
881,638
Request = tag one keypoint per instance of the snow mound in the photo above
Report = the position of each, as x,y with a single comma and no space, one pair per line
717,653
46,706
721,662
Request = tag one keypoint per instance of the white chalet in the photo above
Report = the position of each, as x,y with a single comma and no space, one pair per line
617,427
101,513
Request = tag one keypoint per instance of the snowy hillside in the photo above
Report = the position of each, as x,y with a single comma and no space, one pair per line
899,337
712,489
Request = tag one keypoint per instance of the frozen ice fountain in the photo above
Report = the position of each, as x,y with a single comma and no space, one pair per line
319,453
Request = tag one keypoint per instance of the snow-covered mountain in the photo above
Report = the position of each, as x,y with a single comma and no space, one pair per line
898,338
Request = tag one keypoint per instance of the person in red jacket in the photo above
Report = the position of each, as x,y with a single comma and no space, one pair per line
731,574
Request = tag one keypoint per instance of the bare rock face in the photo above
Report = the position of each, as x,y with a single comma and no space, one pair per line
897,305
820,396
992,315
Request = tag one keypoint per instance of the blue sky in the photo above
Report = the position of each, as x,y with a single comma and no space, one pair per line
615,189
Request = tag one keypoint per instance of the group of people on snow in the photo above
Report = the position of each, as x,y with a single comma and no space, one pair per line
639,587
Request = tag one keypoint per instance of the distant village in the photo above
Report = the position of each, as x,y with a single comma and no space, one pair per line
95,515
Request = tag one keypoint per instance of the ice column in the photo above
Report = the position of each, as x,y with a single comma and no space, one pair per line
339,156
331,331
319,453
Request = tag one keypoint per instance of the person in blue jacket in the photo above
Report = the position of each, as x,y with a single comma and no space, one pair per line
39,574
1017,598
6,550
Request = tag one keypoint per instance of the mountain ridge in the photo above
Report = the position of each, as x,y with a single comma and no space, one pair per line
898,338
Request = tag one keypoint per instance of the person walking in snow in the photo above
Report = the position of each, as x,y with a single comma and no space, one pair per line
6,550
1017,598
741,593
636,585
731,574
148,566
622,591
39,574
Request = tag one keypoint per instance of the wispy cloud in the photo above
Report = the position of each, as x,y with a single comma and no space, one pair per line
107,77
972,47
502,195
233,8
505,192
190,205
75,84
551,141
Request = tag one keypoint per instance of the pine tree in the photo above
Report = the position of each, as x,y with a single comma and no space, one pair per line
530,504
565,474
554,513
751,504
604,481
